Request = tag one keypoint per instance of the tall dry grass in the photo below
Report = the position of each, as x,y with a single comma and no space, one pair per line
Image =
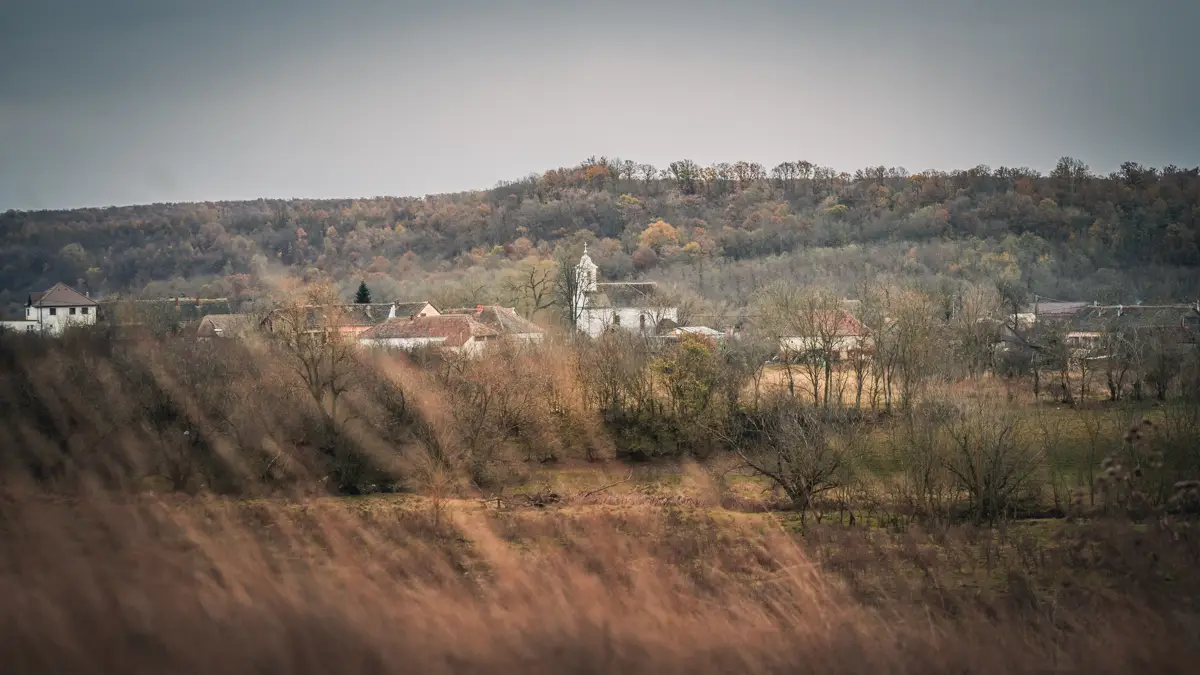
97,575
152,586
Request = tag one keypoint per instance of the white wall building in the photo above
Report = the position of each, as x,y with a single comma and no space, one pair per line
53,311
637,307
837,331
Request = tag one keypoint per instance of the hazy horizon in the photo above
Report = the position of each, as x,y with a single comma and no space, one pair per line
134,102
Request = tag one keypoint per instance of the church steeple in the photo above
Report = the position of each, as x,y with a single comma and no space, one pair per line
585,273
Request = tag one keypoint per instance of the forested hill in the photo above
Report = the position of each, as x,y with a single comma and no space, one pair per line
720,230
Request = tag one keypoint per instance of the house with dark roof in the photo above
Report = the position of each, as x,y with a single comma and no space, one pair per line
639,307
504,320
350,320
452,333
1091,326
170,314
223,326
52,311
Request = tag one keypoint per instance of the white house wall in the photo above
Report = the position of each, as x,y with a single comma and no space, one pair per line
48,324
525,337
799,345
407,344
20,326
472,347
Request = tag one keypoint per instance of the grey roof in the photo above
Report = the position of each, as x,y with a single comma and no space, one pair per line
352,315
184,309
1055,309
407,309
627,294
1120,317
223,325
369,314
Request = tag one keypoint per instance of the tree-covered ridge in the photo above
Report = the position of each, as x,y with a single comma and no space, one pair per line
723,230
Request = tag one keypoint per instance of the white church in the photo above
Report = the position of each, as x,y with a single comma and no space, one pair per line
637,307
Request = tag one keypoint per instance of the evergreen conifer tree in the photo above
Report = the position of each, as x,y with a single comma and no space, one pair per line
364,294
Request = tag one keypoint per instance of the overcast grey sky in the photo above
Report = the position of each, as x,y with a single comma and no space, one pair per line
134,101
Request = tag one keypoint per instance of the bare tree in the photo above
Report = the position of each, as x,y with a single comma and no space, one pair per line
975,327
776,304
1121,351
531,287
310,331
566,291
818,329
915,336
875,308
648,172
988,460
800,454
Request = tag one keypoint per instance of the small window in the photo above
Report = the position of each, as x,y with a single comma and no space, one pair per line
53,311
642,321
72,311
28,329
83,310
616,319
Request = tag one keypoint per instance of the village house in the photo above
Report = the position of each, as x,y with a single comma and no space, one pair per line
53,311
159,314
698,331
836,331
350,320
1094,325
505,321
1093,331
223,326
451,333
638,307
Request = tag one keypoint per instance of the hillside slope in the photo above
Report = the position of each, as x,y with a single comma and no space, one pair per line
722,231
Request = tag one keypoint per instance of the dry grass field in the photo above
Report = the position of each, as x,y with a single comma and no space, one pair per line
170,508
401,584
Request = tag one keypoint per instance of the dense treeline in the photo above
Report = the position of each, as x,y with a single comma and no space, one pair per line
723,230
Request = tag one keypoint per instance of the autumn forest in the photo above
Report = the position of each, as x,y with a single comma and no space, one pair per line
715,233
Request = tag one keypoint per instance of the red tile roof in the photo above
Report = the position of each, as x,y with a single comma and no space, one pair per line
504,320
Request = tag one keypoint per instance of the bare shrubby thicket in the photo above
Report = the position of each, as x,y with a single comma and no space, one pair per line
297,406
164,507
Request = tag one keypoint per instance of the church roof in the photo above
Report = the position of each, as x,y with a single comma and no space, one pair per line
627,294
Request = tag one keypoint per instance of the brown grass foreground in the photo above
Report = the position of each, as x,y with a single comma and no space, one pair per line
179,585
